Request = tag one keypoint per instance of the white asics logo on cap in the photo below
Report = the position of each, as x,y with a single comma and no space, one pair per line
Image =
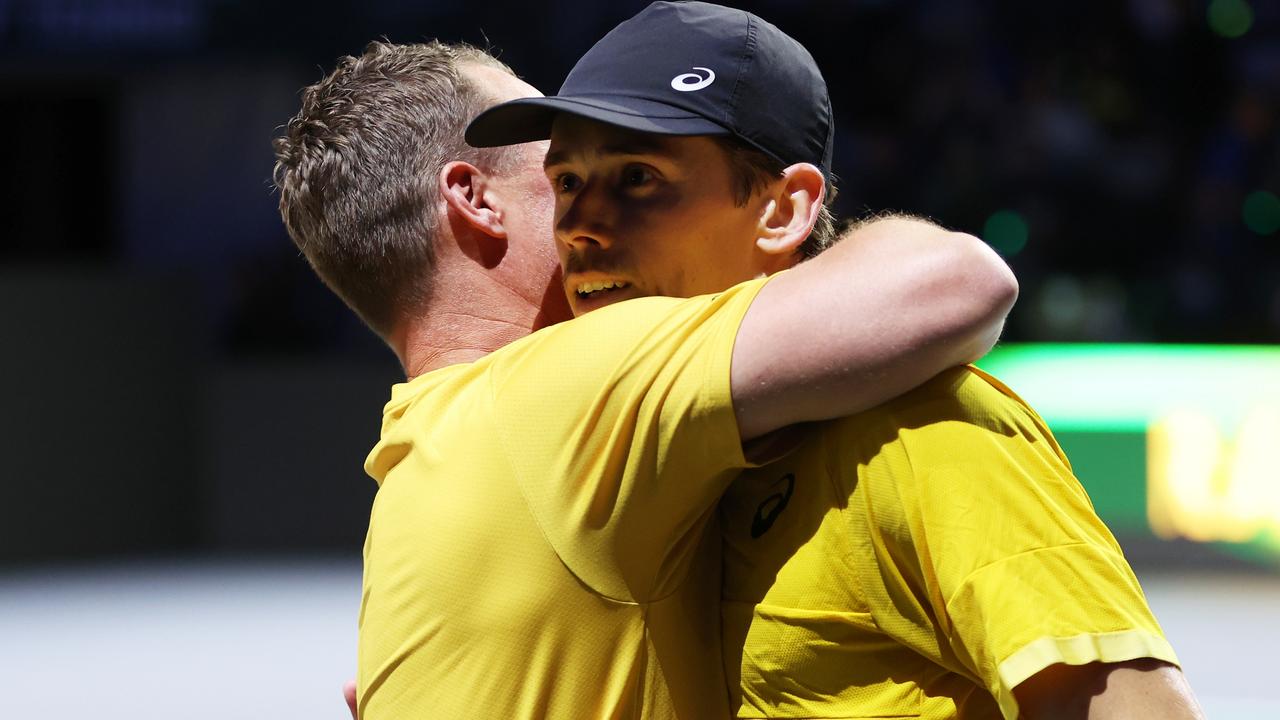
689,82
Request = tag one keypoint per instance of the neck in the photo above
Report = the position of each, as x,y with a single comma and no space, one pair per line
470,315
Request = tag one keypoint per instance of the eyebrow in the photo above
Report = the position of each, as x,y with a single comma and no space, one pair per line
636,146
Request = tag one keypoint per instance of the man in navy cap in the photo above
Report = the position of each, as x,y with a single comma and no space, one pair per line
542,543
932,557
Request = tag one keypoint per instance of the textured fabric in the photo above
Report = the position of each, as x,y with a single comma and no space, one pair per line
543,542
920,560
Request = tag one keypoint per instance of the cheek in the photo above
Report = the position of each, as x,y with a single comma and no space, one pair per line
559,207
542,213
545,247
722,254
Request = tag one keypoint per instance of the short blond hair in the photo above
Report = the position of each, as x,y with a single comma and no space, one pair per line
356,170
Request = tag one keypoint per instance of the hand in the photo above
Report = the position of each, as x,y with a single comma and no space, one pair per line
349,694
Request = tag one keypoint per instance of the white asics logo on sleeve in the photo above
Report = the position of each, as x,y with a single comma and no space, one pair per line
689,82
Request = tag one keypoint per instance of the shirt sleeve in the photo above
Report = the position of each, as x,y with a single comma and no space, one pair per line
999,560
620,429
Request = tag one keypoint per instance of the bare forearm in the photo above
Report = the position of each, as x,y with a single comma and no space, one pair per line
1135,690
887,308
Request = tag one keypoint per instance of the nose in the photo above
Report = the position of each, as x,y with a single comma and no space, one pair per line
585,218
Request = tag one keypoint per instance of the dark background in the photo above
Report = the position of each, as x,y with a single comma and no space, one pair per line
173,379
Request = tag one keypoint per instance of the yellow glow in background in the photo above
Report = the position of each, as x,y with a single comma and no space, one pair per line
1206,420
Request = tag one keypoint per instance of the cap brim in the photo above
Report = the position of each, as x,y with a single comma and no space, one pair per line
528,119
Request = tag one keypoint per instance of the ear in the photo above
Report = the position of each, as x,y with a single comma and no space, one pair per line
469,197
791,210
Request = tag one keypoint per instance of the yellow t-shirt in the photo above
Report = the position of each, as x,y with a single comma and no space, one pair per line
543,542
920,560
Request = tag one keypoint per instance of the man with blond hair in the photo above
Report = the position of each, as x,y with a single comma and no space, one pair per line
542,543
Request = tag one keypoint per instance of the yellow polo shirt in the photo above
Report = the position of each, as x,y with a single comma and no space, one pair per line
920,560
543,542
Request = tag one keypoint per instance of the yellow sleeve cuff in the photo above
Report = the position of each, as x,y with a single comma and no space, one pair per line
1079,650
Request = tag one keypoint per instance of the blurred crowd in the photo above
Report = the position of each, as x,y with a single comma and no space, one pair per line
1109,150
1123,155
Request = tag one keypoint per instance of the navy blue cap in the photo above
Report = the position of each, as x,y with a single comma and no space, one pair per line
686,68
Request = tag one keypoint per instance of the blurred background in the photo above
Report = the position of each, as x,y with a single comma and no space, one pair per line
184,408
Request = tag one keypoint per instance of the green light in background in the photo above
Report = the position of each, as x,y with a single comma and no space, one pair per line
1006,231
1127,387
1230,18
1176,440
1262,212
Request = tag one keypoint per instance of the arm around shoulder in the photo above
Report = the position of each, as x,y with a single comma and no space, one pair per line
893,303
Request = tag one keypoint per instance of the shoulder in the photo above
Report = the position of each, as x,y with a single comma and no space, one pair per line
625,345
961,393
442,386
424,405
961,415
964,400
